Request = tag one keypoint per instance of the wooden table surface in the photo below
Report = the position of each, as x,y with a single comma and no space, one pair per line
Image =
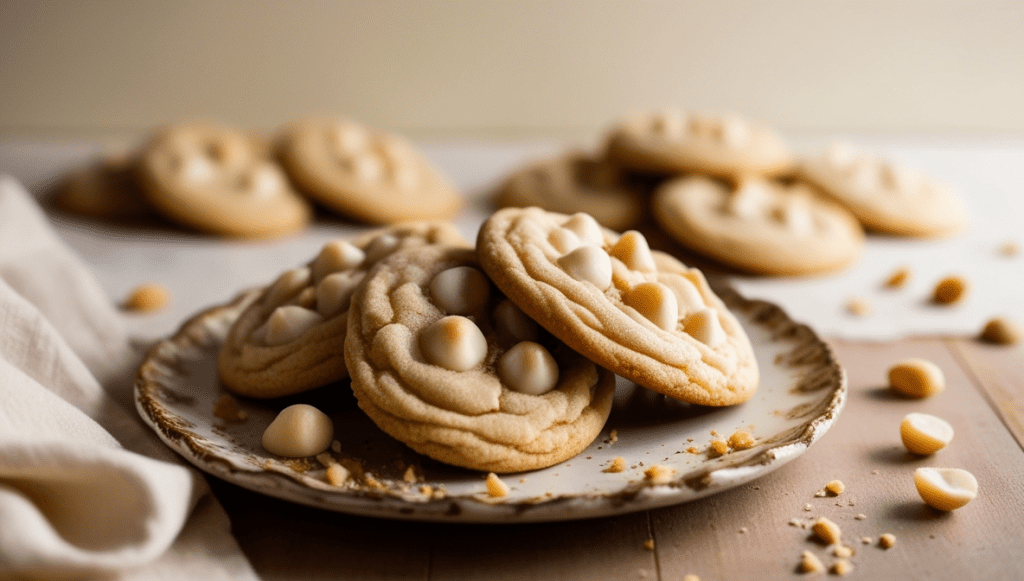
744,533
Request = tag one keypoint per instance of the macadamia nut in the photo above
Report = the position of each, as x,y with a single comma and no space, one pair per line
298,431
916,378
528,368
925,434
945,488
453,342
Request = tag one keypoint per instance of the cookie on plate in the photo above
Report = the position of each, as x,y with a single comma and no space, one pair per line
576,181
759,226
364,174
214,179
639,313
444,363
885,197
104,189
722,145
291,338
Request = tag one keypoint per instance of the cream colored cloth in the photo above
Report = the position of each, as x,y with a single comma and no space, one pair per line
86,490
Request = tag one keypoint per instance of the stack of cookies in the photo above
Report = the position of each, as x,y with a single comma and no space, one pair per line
219,180
729,189
500,357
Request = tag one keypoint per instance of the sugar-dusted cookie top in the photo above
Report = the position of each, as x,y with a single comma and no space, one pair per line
885,197
759,226
576,181
640,313
364,174
721,145
216,179
291,338
441,361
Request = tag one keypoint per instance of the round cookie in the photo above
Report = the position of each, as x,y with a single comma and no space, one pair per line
291,338
639,313
577,182
362,174
721,145
886,198
759,226
214,179
104,189
444,363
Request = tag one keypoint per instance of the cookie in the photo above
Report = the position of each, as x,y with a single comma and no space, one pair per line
444,363
213,179
291,338
577,182
759,226
639,313
885,197
363,174
720,145
104,189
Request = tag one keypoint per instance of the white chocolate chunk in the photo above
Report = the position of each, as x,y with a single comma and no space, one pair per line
336,256
924,433
687,296
461,290
747,200
262,181
656,302
795,216
586,228
632,249
453,342
588,264
287,285
197,169
299,431
528,368
564,241
380,247
366,167
512,324
288,323
334,293
704,326
945,488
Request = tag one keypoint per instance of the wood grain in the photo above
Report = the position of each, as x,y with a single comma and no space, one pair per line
999,371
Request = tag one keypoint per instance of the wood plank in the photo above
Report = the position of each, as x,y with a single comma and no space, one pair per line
863,449
999,370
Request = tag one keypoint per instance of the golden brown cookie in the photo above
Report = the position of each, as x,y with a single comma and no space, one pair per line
291,338
104,189
444,363
885,197
640,313
760,226
363,174
212,178
720,145
577,182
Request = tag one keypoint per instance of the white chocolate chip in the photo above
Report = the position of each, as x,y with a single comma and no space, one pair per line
366,167
453,342
687,296
461,290
262,181
704,326
197,169
528,368
588,264
512,324
586,229
334,293
336,256
288,323
564,241
298,431
632,249
747,200
380,247
924,433
287,285
795,215
945,488
656,302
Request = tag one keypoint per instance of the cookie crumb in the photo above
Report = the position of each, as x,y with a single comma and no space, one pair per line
898,279
795,522
836,487
887,541
810,563
336,474
841,567
842,551
649,544
949,290
692,450
743,530
496,488
1010,248
821,493
718,448
808,507
613,436
866,540
741,440
659,474
411,475
1000,331
827,531
618,465
860,516
858,307
147,298
227,409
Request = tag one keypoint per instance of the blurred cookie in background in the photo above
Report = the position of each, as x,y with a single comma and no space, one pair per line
104,189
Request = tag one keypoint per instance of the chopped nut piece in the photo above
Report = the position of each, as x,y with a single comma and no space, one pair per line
410,475
1002,331
949,290
692,450
842,551
659,474
925,434
743,530
810,563
917,378
496,488
945,488
887,541
649,544
337,474
227,409
718,448
795,522
741,440
808,507
866,540
618,465
827,531
841,567
858,307
860,516
821,493
148,298
898,278
613,436
836,487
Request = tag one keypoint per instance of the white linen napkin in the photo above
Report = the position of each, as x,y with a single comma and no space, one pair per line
85,488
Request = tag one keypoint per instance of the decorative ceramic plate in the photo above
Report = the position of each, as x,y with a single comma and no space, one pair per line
802,391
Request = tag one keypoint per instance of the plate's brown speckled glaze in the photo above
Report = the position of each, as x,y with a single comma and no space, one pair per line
803,389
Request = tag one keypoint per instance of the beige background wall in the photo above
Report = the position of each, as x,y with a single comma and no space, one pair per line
511,68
